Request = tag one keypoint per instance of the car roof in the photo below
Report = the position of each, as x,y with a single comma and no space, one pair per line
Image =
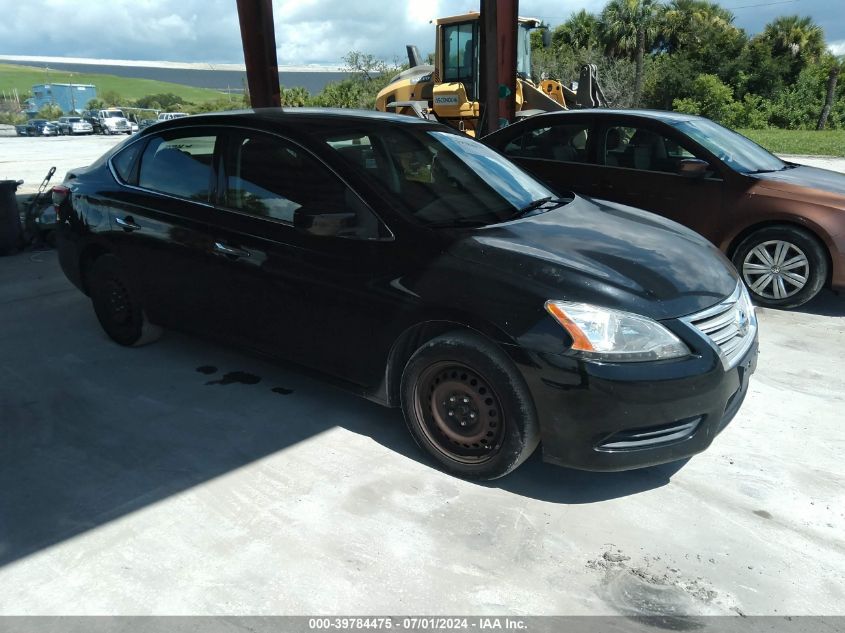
660,115
290,115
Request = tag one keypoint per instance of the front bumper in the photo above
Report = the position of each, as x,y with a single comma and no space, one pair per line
608,417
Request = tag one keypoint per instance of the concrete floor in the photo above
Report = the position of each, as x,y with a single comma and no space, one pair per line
131,484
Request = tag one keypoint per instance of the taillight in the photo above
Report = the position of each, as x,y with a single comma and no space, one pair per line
60,193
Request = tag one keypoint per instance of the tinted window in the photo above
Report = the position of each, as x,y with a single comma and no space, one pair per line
124,163
641,148
180,166
566,143
441,178
270,177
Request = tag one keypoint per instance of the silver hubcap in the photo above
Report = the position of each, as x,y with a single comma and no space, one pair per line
776,269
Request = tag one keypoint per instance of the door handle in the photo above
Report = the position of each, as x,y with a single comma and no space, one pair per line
127,224
230,251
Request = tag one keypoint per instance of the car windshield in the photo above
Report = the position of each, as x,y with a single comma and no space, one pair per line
74,120
738,152
114,113
442,178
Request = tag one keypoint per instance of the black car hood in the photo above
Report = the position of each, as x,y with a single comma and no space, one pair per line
802,176
607,254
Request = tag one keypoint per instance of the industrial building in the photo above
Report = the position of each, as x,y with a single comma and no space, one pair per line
69,97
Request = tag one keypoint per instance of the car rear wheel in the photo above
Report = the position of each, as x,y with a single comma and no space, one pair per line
117,304
468,407
782,266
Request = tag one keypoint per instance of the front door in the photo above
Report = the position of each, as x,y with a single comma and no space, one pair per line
639,166
303,294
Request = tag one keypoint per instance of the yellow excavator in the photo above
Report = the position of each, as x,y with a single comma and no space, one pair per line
449,90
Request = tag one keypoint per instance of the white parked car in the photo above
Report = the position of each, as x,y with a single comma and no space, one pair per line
74,125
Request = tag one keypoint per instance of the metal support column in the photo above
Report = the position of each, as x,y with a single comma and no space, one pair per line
498,62
259,41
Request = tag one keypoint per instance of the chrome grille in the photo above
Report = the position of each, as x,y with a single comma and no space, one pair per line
730,325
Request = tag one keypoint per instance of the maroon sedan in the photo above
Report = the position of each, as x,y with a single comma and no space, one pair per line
782,224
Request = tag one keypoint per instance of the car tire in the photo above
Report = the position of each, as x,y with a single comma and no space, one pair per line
117,304
492,427
782,266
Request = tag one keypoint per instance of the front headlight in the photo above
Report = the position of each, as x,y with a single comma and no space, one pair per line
615,336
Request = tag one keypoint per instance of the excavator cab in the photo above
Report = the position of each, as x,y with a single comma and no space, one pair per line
450,90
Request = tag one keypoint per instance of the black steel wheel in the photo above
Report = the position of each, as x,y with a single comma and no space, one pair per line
468,407
782,266
117,305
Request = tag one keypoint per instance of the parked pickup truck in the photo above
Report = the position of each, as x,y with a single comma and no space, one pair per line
113,121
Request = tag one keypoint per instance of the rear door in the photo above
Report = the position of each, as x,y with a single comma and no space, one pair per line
159,222
559,151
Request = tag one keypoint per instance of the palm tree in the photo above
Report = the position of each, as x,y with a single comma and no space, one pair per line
628,26
830,95
579,32
684,23
796,36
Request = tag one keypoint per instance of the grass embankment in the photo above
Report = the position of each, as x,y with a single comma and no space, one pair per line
24,77
801,142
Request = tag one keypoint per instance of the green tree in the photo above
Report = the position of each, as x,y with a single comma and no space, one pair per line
50,112
580,31
297,96
688,24
710,97
629,27
795,42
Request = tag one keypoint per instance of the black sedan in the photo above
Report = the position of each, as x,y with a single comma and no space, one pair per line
423,270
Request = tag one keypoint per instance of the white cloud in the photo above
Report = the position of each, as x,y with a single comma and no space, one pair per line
307,31
837,48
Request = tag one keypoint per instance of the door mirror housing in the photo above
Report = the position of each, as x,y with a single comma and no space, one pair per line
324,223
547,37
693,167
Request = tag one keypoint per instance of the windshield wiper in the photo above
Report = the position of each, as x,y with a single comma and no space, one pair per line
459,222
538,204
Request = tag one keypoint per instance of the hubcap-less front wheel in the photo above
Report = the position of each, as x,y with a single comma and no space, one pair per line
461,414
776,269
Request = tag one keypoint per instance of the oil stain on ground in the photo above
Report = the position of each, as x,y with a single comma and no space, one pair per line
282,391
207,369
236,377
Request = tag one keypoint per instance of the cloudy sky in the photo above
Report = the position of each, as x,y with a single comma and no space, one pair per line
307,31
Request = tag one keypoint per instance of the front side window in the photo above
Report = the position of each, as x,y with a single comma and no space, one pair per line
441,178
642,148
738,152
270,177
179,166
565,143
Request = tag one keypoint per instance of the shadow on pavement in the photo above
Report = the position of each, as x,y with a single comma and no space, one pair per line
91,431
826,303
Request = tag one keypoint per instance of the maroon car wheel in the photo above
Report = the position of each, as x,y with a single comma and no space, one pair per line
468,407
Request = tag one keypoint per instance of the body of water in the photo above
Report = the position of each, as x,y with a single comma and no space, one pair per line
223,80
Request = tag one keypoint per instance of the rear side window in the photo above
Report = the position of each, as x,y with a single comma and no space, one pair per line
178,166
125,163
565,143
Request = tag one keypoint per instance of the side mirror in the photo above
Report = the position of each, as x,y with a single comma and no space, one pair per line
547,38
330,224
693,167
